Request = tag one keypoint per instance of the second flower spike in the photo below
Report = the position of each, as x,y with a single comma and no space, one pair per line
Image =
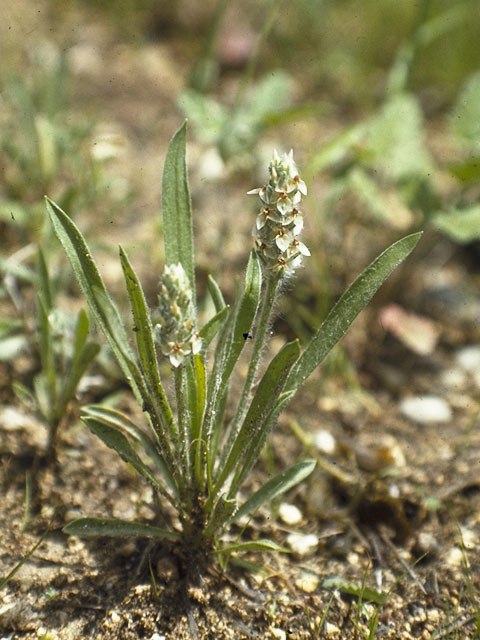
174,318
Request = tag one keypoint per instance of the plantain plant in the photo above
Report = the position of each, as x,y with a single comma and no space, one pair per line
195,458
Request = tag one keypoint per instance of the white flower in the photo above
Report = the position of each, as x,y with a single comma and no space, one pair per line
279,221
174,318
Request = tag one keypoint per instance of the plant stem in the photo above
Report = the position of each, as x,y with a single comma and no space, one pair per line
183,417
268,299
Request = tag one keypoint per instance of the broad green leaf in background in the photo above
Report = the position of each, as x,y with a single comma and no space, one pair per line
460,225
355,298
465,119
395,140
176,208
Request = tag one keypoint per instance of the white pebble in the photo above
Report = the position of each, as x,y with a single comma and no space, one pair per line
307,582
279,634
454,557
426,409
289,513
468,358
324,441
302,544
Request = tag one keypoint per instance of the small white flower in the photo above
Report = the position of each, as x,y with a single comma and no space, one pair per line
174,320
279,221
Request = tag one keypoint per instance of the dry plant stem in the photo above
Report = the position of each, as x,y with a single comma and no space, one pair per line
270,291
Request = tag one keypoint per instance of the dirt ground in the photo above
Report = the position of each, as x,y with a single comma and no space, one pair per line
394,504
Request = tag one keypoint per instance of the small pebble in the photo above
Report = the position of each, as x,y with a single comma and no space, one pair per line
307,582
454,557
302,544
289,513
279,634
331,629
157,636
468,358
324,442
426,409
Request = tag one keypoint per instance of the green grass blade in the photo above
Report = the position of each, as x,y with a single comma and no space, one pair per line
105,312
25,558
357,296
276,486
43,280
47,356
176,208
116,527
80,363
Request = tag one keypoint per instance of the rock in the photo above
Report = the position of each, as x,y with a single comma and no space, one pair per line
302,544
324,442
426,409
289,513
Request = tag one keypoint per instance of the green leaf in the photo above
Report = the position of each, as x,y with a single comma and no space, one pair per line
43,280
208,116
231,342
395,141
145,342
116,527
211,328
118,420
357,296
80,363
216,293
252,432
276,486
253,545
105,312
176,208
460,225
117,441
338,583
47,356
465,120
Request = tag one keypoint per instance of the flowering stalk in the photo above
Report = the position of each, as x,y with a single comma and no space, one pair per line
275,232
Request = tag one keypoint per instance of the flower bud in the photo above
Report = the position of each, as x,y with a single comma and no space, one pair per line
280,221
174,318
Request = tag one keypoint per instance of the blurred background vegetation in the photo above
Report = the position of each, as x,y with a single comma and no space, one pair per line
380,100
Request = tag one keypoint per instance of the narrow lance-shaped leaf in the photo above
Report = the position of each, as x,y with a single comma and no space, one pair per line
256,444
145,342
176,208
231,342
117,441
253,545
116,527
276,486
216,293
210,329
118,420
264,400
357,296
105,312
